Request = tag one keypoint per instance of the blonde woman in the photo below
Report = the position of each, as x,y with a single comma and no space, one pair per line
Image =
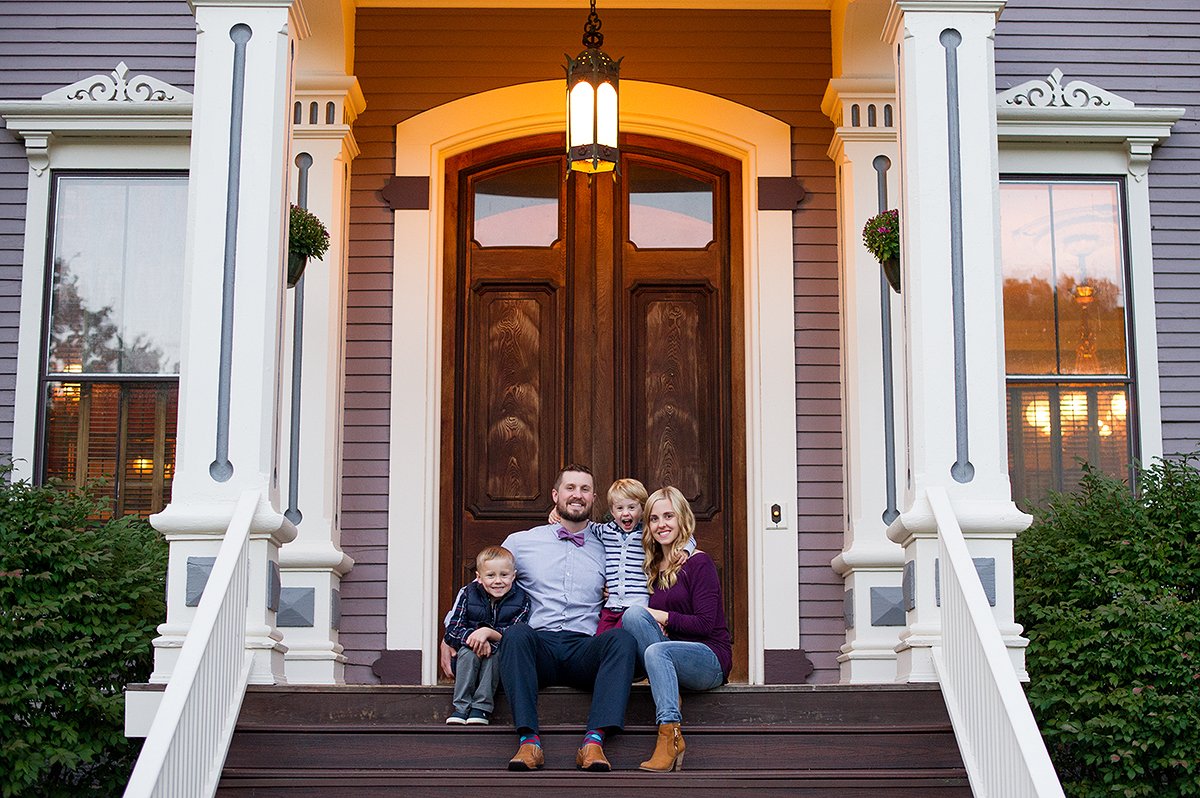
682,635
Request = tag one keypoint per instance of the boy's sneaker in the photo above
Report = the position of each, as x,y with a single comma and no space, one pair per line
477,718
457,719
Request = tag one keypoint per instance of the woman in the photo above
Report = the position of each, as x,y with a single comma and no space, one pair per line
682,635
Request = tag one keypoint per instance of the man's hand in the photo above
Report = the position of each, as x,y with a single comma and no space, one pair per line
480,641
445,655
679,558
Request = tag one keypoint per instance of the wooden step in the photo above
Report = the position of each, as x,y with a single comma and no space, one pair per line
794,740
389,706
911,783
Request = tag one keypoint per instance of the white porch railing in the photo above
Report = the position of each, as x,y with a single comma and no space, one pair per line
1001,746
185,747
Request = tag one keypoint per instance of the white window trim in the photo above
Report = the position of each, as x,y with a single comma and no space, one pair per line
109,122
1046,127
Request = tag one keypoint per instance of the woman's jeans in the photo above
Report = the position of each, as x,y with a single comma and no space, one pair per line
670,664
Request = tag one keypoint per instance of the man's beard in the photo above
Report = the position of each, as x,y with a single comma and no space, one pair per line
574,513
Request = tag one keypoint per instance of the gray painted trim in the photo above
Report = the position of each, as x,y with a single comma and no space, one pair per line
962,470
274,585
335,609
985,567
221,469
909,585
848,608
198,570
304,162
882,163
297,607
887,606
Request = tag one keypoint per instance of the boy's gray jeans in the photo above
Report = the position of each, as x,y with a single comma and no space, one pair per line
475,682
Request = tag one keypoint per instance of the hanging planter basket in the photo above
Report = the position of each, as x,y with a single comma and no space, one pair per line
295,268
307,238
891,270
881,235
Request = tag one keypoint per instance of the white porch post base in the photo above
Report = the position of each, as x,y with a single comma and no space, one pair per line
194,539
314,573
869,654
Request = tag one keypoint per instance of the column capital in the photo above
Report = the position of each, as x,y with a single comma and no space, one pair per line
893,25
860,102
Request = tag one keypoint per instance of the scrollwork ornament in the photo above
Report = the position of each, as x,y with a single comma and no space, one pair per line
1051,92
119,86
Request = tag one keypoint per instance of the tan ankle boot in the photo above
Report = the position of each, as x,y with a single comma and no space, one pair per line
668,751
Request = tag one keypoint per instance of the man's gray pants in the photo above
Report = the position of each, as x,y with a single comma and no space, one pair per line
475,682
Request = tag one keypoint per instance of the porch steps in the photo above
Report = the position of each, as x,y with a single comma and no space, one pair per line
779,740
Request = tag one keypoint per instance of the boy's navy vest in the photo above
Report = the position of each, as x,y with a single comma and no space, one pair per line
480,610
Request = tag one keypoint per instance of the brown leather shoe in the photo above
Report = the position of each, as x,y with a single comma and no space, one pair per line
591,757
529,757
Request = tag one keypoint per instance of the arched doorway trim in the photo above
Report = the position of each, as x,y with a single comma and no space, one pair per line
423,143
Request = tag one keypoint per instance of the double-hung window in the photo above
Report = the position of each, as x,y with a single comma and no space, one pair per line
1070,390
109,380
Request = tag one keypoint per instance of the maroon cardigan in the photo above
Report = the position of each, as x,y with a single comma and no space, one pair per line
696,611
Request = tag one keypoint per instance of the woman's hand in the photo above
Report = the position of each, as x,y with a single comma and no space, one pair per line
661,617
554,517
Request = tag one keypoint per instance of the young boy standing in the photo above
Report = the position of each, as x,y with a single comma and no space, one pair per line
482,612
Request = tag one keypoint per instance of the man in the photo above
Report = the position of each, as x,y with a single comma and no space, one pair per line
561,567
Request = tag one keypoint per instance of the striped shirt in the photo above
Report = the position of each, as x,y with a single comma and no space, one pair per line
624,559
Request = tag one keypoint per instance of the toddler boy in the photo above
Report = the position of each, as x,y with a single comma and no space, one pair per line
482,612
624,556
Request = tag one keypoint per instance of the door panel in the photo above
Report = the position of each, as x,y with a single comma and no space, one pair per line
577,344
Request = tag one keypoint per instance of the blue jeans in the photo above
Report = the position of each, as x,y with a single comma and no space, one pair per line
670,664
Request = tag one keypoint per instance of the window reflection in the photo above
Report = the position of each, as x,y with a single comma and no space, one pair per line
518,208
668,210
1063,264
1064,299
109,396
117,268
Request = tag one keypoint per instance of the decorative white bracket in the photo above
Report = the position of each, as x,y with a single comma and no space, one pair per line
118,86
1050,92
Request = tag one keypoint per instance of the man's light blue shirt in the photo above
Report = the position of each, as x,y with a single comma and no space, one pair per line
565,582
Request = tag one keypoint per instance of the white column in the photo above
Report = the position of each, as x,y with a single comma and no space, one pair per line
952,310
233,289
311,446
868,165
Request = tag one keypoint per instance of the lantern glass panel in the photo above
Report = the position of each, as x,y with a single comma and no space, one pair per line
581,123
606,113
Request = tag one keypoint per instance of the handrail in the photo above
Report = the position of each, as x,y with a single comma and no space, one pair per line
1001,746
186,745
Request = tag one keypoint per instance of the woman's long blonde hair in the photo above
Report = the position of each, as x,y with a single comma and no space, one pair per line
662,567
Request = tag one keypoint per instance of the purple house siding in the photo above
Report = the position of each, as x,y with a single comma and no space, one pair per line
1146,53
45,45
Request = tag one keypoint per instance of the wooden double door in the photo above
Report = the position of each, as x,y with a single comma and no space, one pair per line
599,322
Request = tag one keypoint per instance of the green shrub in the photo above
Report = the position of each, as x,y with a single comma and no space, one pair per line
79,602
1108,589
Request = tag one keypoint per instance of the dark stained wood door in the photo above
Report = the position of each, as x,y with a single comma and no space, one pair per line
597,322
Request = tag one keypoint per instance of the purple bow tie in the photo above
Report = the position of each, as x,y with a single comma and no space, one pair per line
574,537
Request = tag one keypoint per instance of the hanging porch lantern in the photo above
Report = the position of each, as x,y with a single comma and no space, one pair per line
592,103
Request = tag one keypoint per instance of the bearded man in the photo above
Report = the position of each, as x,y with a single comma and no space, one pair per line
561,567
